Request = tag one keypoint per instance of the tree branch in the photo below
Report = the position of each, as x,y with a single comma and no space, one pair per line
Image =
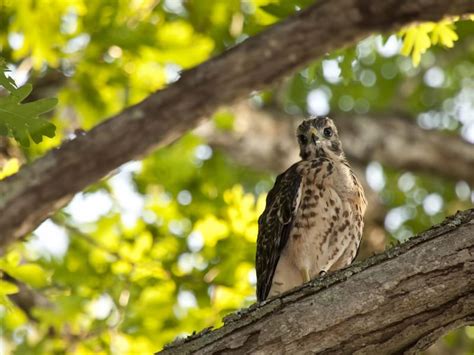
43,187
399,143
265,139
399,301
26,298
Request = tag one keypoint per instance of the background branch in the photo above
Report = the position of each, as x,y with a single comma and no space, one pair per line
264,139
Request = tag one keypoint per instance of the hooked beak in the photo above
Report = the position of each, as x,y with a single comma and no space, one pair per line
314,134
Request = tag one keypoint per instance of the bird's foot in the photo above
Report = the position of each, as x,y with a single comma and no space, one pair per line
322,273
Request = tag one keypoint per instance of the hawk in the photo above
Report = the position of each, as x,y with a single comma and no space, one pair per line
313,219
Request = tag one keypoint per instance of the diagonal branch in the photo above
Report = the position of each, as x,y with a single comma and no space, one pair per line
41,188
399,301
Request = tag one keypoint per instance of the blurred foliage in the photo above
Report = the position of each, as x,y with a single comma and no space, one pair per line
166,246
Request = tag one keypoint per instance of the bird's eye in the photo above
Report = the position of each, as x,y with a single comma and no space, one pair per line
327,132
302,138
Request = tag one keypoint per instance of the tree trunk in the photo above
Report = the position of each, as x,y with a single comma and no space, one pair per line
46,185
397,302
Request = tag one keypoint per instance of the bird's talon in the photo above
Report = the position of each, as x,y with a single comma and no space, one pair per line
305,275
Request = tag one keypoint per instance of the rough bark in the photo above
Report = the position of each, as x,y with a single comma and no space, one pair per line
397,302
265,139
41,188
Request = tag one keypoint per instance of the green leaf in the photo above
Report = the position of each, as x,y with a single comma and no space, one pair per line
13,258
297,91
304,3
315,70
21,120
22,92
7,288
416,41
418,38
5,81
31,274
224,120
444,33
279,10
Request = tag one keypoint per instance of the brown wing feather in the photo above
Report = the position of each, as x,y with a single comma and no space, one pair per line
274,227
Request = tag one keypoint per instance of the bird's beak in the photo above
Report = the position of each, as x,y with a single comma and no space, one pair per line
314,134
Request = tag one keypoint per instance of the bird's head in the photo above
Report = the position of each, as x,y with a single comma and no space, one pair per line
318,137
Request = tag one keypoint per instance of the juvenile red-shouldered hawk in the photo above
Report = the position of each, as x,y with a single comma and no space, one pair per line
313,219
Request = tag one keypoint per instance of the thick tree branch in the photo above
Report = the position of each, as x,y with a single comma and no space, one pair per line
399,301
41,188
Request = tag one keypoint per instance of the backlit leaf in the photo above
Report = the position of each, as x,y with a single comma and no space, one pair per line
31,274
7,288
